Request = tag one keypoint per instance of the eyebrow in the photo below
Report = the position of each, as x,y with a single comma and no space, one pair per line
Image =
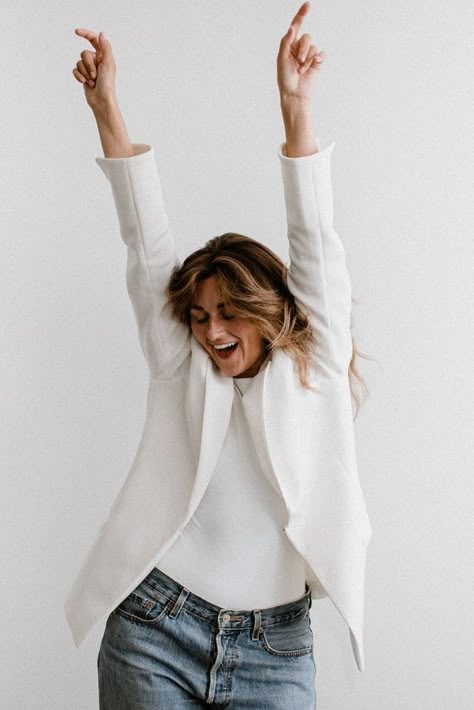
200,308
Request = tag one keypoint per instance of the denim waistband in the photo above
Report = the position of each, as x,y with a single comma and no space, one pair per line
181,597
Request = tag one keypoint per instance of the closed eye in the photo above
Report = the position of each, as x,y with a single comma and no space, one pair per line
203,320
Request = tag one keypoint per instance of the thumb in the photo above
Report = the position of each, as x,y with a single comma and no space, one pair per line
285,44
104,45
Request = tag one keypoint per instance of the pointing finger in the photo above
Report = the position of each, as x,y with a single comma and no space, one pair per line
285,45
297,21
93,37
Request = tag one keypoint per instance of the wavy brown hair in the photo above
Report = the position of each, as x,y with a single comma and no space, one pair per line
253,281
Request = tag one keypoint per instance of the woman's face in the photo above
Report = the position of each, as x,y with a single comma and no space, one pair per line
213,324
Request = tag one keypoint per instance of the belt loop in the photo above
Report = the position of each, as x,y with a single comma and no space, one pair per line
256,625
176,606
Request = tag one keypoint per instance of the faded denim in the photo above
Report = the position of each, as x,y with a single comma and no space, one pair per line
165,648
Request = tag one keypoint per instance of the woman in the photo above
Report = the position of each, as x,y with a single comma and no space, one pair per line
243,503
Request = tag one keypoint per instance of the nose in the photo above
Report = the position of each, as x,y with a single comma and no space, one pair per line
215,329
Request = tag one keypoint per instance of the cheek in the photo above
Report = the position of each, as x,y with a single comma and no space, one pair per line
253,339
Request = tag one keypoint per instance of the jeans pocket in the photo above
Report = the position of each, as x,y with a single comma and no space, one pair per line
293,637
144,605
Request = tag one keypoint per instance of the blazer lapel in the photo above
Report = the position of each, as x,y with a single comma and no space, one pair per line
276,424
253,402
208,407
195,397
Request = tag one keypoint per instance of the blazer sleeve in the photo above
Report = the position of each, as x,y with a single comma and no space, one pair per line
317,273
151,256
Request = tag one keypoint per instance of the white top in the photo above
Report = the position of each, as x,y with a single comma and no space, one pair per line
234,551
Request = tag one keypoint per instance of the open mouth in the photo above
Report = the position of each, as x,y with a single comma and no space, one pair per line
227,352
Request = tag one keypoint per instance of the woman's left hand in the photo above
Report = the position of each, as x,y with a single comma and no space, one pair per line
298,61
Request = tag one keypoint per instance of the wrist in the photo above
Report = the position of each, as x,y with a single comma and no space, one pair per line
293,106
297,120
300,137
106,108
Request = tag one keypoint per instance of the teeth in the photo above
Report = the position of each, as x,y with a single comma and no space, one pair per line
224,347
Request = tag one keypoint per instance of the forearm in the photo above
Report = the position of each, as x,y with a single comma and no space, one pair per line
300,137
112,131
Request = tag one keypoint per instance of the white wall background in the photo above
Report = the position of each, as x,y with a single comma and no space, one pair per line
197,80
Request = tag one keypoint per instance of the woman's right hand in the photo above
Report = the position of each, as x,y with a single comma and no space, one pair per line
96,70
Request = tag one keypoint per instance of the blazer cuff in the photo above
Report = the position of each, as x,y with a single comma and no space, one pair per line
304,158
143,153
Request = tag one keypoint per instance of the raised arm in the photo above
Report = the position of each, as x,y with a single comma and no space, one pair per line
317,274
151,255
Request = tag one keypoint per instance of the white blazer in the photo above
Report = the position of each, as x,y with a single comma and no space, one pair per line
304,441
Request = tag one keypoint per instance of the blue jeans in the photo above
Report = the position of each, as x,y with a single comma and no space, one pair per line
166,648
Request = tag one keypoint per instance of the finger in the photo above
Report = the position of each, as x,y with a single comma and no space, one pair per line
312,54
285,44
83,70
79,76
297,21
89,60
304,47
105,46
93,37
315,63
